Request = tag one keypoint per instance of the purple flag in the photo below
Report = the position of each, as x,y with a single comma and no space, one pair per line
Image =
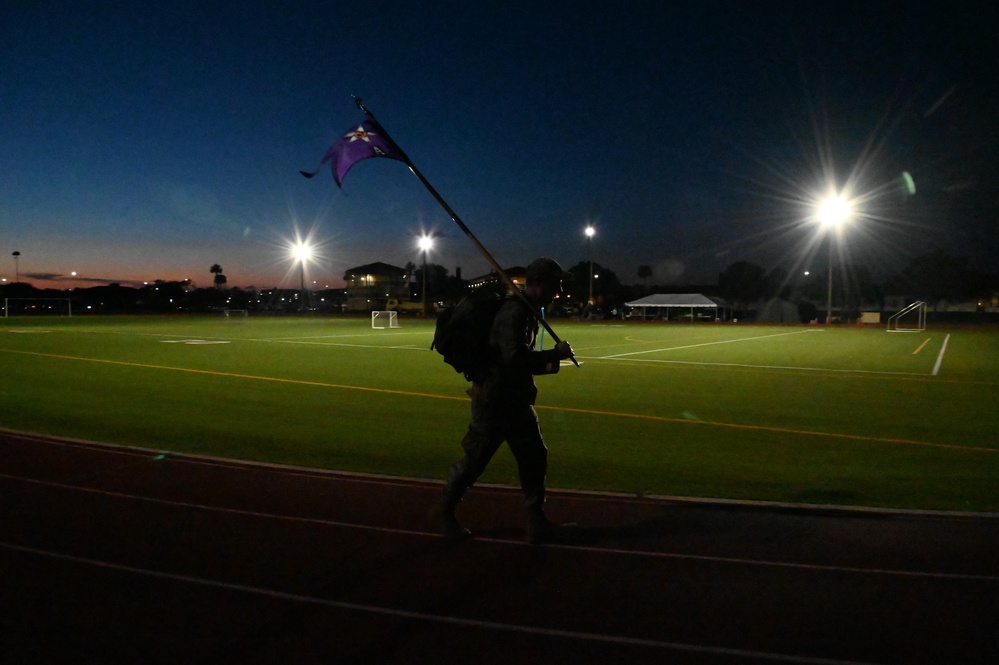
367,139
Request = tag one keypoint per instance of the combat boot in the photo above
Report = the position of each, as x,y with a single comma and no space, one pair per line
542,530
445,522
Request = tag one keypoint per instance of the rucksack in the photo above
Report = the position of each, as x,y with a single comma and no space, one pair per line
462,333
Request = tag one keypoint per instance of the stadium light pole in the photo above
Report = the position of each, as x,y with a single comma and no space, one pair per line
590,231
302,253
833,213
426,242
17,269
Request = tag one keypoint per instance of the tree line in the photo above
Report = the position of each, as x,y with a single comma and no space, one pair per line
933,277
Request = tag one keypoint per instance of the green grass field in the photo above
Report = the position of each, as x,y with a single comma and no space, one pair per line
838,415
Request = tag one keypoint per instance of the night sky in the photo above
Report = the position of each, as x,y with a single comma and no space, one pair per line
143,141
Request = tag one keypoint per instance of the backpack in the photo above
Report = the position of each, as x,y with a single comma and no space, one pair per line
462,333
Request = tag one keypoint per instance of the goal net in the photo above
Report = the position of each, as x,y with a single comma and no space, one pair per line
382,320
235,314
910,319
37,307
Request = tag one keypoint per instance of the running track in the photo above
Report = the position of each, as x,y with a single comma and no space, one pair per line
124,555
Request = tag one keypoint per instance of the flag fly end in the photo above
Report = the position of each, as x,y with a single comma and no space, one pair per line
362,141
369,139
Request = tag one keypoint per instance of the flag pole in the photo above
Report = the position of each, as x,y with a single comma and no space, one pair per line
468,232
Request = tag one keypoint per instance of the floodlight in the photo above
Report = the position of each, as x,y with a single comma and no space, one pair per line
302,252
834,211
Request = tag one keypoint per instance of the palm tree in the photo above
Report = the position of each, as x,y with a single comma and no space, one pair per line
220,279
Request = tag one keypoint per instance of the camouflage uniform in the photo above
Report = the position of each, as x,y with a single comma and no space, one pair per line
503,408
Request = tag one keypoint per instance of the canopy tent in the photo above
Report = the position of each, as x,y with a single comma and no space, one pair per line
662,303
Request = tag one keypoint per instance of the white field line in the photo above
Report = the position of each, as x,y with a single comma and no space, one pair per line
631,341
407,347
725,341
274,339
619,356
280,340
943,347
291,339
748,366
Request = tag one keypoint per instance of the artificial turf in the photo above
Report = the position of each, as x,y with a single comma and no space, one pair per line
841,415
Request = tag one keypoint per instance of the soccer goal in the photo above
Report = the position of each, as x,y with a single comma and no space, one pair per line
235,314
383,320
910,319
37,307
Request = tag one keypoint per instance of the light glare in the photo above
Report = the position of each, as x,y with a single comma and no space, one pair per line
302,252
834,211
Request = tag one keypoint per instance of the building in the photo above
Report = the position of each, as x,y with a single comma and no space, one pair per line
370,286
517,275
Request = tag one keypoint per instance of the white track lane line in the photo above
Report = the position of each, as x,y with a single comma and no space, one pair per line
433,618
506,541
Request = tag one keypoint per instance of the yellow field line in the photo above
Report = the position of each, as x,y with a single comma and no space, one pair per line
592,412
925,342
764,428
208,372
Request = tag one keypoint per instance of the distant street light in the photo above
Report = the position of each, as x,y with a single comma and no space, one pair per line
832,212
302,253
590,231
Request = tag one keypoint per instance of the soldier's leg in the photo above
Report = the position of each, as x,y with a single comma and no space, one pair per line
479,447
528,447
480,444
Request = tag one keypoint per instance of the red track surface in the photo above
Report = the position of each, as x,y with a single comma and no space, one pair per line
112,554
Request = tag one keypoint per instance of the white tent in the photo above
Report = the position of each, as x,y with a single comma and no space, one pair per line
662,303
